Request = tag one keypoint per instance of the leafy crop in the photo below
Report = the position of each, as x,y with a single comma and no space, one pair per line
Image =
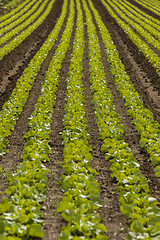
149,5
141,26
142,117
142,45
142,15
21,212
11,25
81,196
17,40
20,27
135,200
13,14
14,106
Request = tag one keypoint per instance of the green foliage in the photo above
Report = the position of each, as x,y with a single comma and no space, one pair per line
18,39
81,196
21,216
8,24
135,200
143,118
14,106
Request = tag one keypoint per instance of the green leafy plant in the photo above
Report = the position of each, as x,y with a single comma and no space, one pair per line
12,14
81,196
143,118
14,106
17,40
21,216
135,200
26,12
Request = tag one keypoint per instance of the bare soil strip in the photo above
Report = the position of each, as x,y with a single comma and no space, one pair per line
131,134
14,63
149,12
11,159
53,220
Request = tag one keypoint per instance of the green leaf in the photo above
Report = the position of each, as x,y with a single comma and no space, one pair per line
143,142
65,234
5,206
2,226
36,230
155,159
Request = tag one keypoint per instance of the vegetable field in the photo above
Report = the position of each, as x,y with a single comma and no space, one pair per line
80,120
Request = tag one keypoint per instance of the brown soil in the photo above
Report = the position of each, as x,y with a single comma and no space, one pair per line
146,82
148,11
14,63
20,17
135,31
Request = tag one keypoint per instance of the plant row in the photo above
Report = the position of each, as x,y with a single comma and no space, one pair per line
154,4
135,200
148,6
143,118
24,34
137,26
143,24
21,216
142,15
142,45
81,196
15,17
13,13
15,31
14,106
30,8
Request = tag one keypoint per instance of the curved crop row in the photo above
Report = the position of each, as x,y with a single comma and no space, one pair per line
13,24
81,191
143,23
154,4
143,118
14,106
145,17
14,12
21,212
149,53
26,23
17,40
137,26
135,200
148,6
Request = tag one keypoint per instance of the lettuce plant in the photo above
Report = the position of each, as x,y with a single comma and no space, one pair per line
17,40
21,216
143,118
81,196
13,24
14,106
135,199
13,14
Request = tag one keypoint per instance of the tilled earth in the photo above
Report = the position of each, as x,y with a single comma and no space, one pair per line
146,82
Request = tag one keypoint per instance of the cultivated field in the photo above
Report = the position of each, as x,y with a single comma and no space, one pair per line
79,120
